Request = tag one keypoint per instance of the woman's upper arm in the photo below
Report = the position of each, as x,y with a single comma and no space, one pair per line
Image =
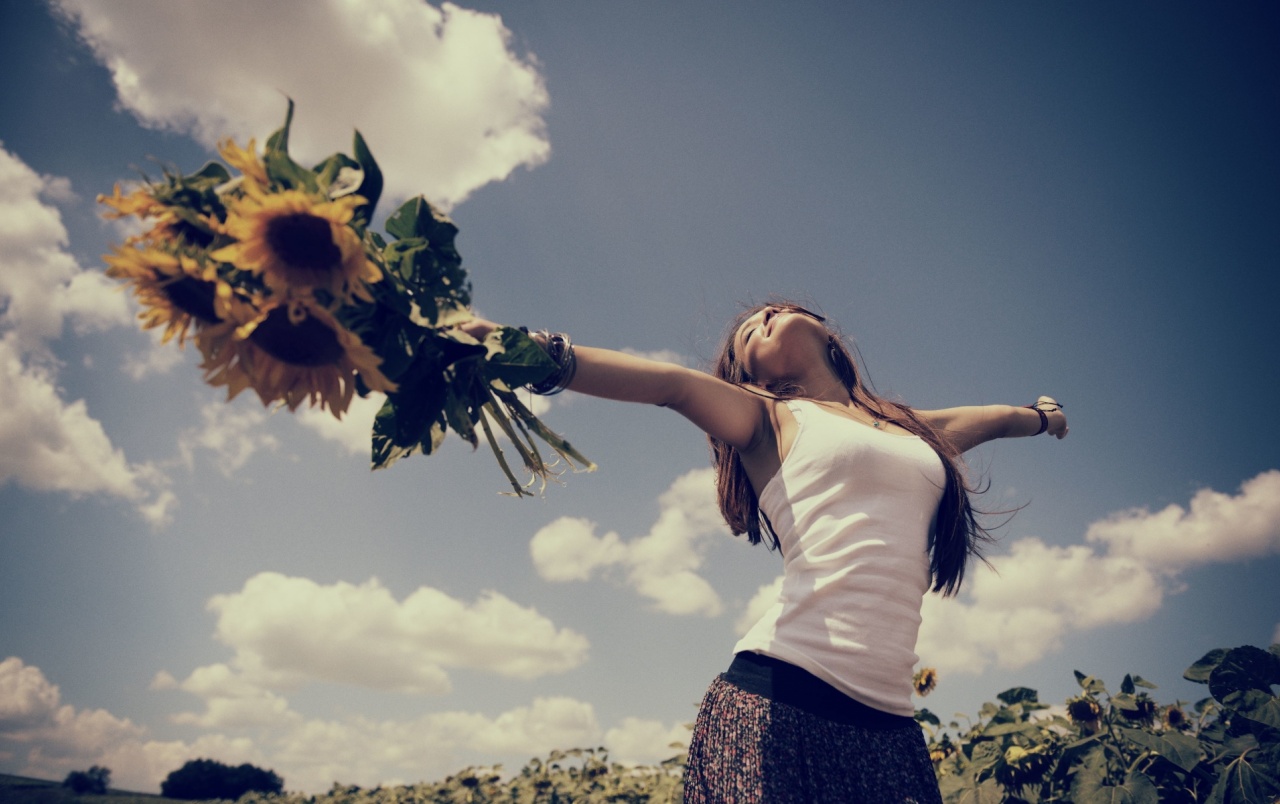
720,409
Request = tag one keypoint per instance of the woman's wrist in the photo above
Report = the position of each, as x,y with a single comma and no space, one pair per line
1049,417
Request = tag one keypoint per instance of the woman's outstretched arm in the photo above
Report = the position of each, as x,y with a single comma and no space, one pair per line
720,409
968,426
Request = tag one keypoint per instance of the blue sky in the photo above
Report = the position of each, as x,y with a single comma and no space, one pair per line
994,200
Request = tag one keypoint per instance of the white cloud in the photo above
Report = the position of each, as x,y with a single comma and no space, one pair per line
159,358
637,741
549,723
569,550
47,444
41,286
312,754
1037,596
287,632
45,738
438,94
48,739
661,565
353,431
231,434
1215,528
1039,593
760,602
26,697
1275,637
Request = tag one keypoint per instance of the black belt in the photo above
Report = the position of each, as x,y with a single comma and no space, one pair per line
785,683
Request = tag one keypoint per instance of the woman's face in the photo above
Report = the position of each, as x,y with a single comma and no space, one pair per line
779,340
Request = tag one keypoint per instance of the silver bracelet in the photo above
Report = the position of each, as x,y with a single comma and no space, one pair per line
559,347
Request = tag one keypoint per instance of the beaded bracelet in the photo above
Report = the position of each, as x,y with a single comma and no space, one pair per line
1044,420
559,347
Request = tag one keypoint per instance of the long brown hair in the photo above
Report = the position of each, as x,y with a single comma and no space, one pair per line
956,535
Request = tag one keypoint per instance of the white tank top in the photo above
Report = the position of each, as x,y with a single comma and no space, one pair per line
853,507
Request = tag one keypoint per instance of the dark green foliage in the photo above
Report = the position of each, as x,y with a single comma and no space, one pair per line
94,780
1125,747
209,779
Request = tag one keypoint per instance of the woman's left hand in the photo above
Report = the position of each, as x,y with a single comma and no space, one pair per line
1057,419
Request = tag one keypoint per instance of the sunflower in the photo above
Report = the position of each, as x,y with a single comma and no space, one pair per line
924,681
298,243
140,204
174,290
1023,766
244,160
1085,713
175,225
1175,718
288,353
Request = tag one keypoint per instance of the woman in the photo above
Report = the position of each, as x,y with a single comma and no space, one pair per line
866,501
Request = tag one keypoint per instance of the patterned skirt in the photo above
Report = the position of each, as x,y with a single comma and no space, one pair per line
747,748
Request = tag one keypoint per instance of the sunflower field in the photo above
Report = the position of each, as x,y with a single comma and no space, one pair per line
276,275
1123,746
1117,747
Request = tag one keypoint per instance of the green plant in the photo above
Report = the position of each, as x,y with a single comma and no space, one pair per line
1123,747
95,780
207,779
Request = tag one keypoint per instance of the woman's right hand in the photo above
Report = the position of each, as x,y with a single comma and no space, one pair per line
477,327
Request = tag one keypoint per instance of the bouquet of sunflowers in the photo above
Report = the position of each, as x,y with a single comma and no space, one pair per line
283,287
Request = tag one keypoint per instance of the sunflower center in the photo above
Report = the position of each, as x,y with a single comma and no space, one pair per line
304,242
193,296
310,343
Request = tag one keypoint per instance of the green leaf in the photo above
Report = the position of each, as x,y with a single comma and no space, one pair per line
1137,788
281,169
285,172
925,716
416,406
1242,682
1199,672
1000,729
984,755
1182,750
418,218
1142,682
279,139
1077,756
213,173
1243,782
1089,683
385,450
515,358
435,281
371,187
338,175
453,352
968,790
458,416
1126,686
1125,701
1018,695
